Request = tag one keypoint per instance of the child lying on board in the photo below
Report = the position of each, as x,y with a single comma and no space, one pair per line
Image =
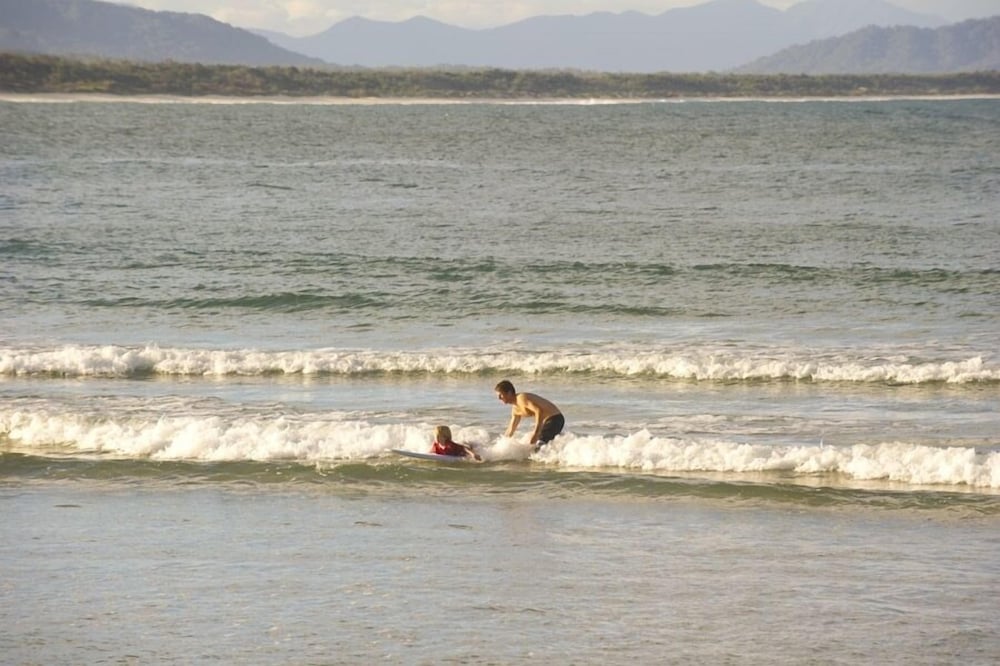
445,446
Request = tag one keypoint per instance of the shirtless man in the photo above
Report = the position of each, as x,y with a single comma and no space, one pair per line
549,420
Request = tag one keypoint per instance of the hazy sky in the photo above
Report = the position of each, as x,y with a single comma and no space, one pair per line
307,17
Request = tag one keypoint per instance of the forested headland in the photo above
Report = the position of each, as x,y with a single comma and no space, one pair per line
54,74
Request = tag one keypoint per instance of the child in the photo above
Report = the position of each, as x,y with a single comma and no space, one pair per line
444,446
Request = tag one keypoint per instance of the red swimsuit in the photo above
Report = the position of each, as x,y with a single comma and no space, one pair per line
449,449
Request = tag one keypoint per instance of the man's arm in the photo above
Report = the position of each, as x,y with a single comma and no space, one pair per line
531,408
538,429
515,420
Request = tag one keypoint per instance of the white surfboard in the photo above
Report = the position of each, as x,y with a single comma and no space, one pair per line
436,457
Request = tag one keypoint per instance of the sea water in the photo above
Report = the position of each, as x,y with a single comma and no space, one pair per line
772,328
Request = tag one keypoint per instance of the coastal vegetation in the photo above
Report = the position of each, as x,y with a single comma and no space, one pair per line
54,74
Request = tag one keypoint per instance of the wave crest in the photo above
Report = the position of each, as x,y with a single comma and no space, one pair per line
214,438
693,364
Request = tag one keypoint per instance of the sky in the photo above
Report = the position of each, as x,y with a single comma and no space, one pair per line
308,17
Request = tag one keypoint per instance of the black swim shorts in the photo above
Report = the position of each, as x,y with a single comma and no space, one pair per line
551,427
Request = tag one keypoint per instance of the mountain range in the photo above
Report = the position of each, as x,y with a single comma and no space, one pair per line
968,46
814,36
91,28
714,36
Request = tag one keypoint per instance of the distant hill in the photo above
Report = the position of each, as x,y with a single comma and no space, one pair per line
715,36
969,46
92,28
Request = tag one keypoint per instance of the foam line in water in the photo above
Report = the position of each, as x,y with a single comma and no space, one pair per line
236,438
892,461
702,364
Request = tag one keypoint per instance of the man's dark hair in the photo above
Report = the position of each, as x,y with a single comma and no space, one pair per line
504,387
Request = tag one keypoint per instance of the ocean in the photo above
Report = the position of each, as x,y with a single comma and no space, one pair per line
772,328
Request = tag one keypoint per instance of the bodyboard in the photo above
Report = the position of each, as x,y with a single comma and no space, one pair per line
436,457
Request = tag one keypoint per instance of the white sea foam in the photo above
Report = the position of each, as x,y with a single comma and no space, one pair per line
214,438
210,438
695,364
891,461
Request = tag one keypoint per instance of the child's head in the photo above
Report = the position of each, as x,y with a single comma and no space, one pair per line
442,434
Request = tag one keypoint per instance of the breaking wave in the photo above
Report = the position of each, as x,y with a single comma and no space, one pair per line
706,364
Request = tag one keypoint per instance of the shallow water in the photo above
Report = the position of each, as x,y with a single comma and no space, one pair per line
269,574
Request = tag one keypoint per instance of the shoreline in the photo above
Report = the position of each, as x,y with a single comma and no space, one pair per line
67,98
